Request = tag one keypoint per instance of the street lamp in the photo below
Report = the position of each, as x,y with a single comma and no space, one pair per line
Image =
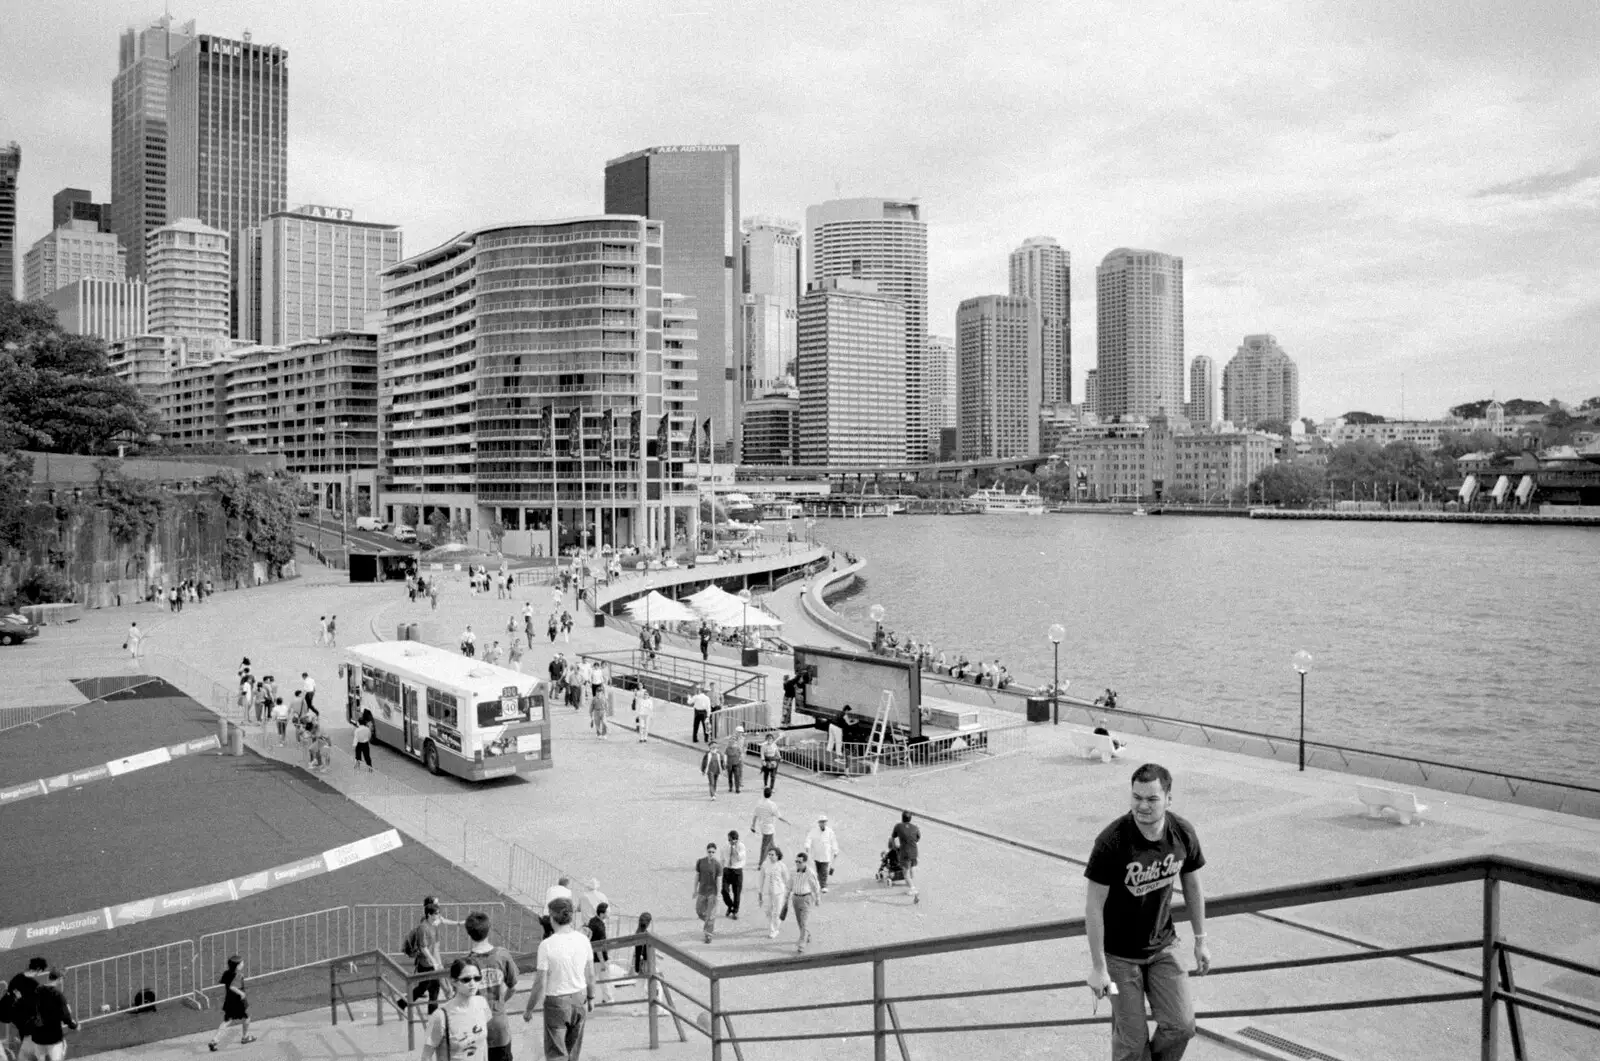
876,612
1057,632
322,442
744,599
1302,664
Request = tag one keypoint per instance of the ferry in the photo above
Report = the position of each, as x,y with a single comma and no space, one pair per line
739,508
994,499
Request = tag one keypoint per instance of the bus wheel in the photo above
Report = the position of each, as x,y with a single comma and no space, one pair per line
430,759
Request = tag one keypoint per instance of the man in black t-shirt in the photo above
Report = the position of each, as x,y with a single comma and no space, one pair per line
18,1006
499,970
904,839
1128,914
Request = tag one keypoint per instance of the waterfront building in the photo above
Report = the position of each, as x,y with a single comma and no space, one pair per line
145,361
1091,391
105,308
771,304
772,429
187,291
1202,406
139,131
526,377
939,384
1042,270
852,374
77,204
188,402
314,271
1164,460
1260,383
10,167
1057,422
75,251
227,146
998,382
884,241
1139,310
693,190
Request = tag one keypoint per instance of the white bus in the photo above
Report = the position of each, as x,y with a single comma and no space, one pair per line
454,714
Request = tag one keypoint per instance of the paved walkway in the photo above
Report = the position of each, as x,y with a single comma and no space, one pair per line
1004,848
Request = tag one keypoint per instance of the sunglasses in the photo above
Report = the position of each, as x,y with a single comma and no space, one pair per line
468,979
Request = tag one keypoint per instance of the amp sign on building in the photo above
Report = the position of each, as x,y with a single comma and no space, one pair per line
327,213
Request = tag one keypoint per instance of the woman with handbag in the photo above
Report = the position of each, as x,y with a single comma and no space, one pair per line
459,1028
773,895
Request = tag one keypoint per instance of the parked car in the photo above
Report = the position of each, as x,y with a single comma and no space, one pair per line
15,629
403,533
370,523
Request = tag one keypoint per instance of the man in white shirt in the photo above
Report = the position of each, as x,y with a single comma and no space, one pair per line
765,821
561,889
700,704
563,984
823,847
733,875
309,684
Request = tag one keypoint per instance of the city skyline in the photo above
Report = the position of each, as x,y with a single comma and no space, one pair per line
1298,197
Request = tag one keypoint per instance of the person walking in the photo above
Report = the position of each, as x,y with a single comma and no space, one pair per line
707,878
773,892
363,739
235,1004
422,947
458,1030
280,718
134,644
711,764
552,627
1128,921
700,704
765,823
822,844
644,707
770,758
566,626
514,656
469,642
705,641
563,985
433,594
805,895
309,684
733,761
904,840
499,970
598,705
333,631
733,876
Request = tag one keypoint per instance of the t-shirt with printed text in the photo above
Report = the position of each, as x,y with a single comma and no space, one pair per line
1140,874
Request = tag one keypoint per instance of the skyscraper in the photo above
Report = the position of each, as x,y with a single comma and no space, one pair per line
187,290
997,377
72,252
885,241
1139,310
77,204
139,134
319,272
1042,270
939,383
1260,383
852,374
771,303
10,166
693,190
1091,391
1202,408
111,309
227,150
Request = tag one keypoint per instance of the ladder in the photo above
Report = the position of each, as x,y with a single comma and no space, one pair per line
882,726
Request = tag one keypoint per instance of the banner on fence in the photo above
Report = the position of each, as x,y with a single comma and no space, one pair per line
193,898
115,768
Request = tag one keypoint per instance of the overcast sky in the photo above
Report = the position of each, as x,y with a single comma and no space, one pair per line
1408,188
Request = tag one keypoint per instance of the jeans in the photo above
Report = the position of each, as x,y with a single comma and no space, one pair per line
705,908
735,776
732,890
431,988
769,775
803,905
1163,980
822,873
563,1025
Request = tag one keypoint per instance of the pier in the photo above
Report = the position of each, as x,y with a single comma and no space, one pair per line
1559,519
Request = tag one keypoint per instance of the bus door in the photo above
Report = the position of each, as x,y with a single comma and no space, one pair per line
412,731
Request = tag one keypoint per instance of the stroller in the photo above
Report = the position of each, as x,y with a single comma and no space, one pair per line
889,871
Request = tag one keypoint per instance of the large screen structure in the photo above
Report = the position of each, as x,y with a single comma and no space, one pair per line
835,678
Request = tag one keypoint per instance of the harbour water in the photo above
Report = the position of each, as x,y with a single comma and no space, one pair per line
1465,644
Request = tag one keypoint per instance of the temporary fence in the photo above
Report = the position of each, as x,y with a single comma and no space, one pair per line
17,717
273,947
385,926
131,982
853,759
755,718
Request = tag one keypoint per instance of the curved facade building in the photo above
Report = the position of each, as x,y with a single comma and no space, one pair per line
1139,306
536,375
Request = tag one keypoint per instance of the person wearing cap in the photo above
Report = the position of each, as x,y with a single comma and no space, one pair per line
822,844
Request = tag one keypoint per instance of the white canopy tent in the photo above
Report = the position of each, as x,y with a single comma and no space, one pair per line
655,608
725,609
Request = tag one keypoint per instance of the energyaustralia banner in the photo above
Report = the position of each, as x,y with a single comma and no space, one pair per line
22,936
115,768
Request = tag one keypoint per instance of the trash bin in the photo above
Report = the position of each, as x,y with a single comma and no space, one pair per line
412,632
400,632
1038,709
750,657
599,618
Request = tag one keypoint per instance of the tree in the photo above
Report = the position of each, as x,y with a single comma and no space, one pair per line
1358,417
1274,427
439,523
497,533
1470,410
1290,484
16,476
1590,405
408,516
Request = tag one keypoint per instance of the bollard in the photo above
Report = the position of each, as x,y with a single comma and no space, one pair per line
236,741
222,734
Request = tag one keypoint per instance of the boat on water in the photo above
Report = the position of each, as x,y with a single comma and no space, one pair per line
994,500
1139,512
739,508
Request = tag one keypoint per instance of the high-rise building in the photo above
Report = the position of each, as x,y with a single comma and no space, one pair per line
693,190
187,289
997,377
1202,409
852,374
1042,270
771,303
318,273
247,281
139,134
227,146
73,252
1091,391
106,308
885,241
1260,383
939,383
771,429
536,375
77,204
1139,310
10,166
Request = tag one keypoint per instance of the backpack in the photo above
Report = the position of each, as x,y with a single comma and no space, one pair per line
412,946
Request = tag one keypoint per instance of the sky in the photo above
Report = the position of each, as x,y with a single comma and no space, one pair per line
1406,194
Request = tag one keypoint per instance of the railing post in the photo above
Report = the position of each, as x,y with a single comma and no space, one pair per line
333,1002
880,1015
716,1019
650,988
1489,1016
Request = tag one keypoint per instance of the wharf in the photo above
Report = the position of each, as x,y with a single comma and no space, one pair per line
1564,519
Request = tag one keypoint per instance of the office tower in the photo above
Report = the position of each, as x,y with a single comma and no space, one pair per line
139,134
1202,407
1260,383
314,271
10,166
693,190
70,253
247,283
227,151
1042,270
187,289
77,204
771,429
1139,309
852,374
109,309
771,301
998,382
527,376
939,382
1091,391
885,241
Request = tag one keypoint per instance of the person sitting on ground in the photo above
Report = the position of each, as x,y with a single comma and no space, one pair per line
1102,730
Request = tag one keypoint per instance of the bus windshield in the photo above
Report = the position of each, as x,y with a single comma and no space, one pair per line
511,708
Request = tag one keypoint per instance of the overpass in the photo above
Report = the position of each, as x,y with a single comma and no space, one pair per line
924,472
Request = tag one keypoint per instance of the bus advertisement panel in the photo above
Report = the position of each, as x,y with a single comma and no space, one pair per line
454,714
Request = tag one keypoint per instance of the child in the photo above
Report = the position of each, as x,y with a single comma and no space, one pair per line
235,1007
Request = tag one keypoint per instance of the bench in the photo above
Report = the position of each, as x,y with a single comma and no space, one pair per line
1096,745
1403,804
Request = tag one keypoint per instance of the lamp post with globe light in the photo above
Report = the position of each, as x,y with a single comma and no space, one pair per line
744,599
1302,664
1057,632
876,612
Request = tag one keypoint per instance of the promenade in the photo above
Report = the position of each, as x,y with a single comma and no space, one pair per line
1003,845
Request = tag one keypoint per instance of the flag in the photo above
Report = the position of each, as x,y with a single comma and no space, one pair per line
710,450
550,430
694,440
575,431
635,432
608,433
661,437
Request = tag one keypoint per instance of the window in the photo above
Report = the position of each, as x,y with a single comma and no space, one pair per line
442,708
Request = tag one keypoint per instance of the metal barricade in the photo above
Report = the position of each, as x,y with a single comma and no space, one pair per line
132,981
755,718
275,946
385,926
